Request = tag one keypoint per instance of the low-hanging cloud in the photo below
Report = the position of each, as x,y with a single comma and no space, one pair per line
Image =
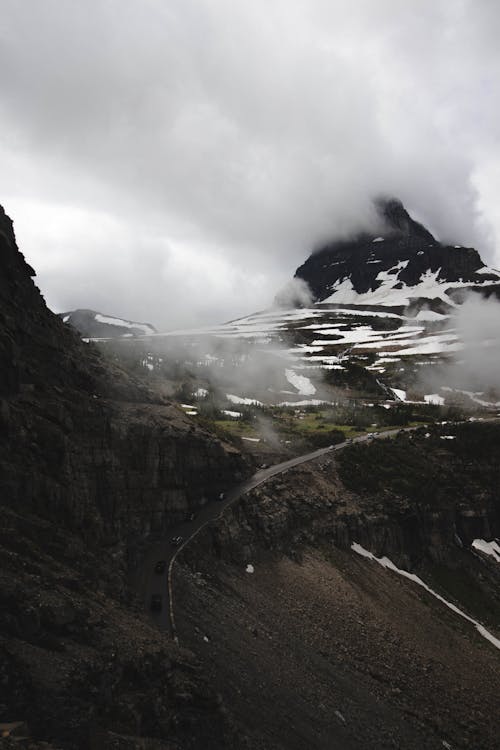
221,140
295,293
472,374
478,366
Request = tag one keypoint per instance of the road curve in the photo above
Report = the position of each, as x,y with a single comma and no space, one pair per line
149,582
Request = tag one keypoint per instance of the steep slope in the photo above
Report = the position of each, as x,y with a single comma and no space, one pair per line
91,463
331,649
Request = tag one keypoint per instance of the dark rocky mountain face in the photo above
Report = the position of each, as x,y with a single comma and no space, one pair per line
404,249
91,463
92,324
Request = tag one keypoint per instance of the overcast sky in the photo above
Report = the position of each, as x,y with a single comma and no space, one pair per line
173,161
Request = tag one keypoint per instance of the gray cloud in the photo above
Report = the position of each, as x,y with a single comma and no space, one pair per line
175,161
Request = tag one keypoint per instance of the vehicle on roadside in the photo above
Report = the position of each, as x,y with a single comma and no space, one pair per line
222,496
349,441
264,466
190,517
160,566
156,603
176,540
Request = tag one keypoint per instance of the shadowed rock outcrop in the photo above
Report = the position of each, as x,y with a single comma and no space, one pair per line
91,463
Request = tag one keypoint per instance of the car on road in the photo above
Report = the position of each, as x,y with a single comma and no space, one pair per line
156,603
160,566
176,540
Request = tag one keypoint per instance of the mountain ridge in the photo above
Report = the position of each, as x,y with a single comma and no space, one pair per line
94,324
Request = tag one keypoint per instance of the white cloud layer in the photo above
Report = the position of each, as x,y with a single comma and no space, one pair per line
175,161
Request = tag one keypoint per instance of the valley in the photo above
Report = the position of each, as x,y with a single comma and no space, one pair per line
334,580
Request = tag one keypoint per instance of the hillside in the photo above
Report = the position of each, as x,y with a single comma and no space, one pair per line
92,463
331,648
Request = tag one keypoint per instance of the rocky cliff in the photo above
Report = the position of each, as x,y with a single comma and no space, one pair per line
91,463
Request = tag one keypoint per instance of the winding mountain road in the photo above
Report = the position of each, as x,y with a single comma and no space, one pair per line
150,583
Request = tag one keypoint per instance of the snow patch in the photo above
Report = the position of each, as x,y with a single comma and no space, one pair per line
434,398
301,383
489,548
386,563
308,402
429,315
241,400
398,392
123,323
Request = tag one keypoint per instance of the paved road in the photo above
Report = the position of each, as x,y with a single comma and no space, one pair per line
147,582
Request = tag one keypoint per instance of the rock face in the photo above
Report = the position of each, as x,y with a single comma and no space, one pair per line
402,259
91,463
92,324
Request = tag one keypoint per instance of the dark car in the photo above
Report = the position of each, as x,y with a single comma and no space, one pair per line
156,602
177,540
160,566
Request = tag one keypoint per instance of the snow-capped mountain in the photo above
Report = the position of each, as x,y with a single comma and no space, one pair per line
403,266
92,324
383,315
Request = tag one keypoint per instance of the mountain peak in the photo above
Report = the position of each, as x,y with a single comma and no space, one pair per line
402,264
397,219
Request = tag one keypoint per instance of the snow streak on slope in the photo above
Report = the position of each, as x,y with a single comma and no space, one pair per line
386,563
392,292
489,548
124,323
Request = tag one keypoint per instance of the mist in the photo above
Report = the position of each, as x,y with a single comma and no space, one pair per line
478,364
175,162
475,369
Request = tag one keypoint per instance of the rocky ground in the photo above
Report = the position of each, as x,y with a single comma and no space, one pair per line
321,648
